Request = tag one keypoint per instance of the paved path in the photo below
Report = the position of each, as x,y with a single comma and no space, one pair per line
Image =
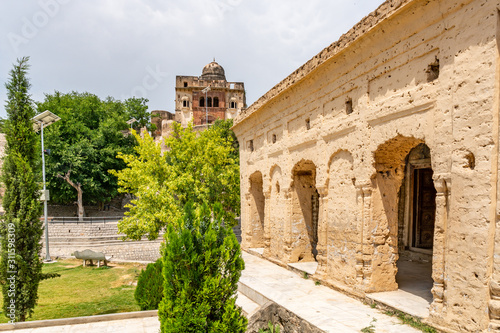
323,307
137,325
327,309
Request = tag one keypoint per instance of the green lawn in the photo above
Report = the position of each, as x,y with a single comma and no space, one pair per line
85,291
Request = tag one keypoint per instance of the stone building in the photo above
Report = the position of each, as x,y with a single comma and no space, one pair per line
378,159
224,100
163,123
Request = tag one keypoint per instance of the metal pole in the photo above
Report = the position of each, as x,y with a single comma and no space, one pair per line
47,254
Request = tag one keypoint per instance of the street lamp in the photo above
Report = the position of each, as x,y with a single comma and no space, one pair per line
40,121
131,121
206,90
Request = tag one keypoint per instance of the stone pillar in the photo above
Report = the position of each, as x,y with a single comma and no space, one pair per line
360,189
365,248
267,224
494,307
442,185
246,227
494,303
322,246
287,230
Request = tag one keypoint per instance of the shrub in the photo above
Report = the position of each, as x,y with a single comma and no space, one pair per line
270,328
149,291
202,266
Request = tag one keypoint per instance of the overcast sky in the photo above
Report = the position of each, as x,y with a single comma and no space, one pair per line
125,48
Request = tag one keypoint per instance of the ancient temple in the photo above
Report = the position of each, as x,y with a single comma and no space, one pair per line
378,161
222,99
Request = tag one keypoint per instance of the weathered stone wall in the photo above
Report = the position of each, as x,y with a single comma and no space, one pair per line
139,251
64,239
413,72
86,230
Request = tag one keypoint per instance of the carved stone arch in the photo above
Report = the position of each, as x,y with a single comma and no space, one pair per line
256,211
304,212
343,153
403,212
305,165
275,172
390,155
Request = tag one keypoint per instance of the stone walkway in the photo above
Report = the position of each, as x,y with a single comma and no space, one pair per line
323,307
137,325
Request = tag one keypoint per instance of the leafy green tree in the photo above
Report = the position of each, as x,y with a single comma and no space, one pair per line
21,228
201,266
224,128
137,108
2,125
198,167
83,147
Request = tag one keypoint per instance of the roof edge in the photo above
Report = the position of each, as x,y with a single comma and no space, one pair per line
383,12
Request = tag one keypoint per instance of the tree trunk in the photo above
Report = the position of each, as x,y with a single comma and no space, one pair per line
78,188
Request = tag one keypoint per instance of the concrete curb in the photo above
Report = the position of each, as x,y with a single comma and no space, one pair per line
78,320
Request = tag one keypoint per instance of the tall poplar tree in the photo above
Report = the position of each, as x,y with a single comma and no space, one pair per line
20,227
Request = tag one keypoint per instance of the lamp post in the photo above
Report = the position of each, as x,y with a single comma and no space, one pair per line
40,121
206,90
131,121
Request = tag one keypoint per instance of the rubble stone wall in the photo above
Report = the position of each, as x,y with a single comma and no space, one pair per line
64,239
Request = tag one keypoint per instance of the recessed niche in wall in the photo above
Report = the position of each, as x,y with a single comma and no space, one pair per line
348,106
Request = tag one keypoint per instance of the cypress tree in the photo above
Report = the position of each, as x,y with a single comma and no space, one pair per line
202,264
20,227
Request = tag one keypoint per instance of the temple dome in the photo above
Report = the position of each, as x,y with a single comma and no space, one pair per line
213,71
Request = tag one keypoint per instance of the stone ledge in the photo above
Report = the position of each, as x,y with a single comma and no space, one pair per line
77,320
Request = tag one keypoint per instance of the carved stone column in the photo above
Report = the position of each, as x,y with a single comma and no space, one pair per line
359,249
494,303
246,227
367,247
267,224
442,185
321,247
287,236
494,306
364,253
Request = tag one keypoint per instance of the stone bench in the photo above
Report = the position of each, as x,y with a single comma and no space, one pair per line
91,255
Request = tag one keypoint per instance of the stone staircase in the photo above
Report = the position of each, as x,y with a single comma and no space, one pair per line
65,238
261,309
288,295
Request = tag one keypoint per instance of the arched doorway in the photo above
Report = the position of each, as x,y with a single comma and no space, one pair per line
305,212
403,210
416,216
256,210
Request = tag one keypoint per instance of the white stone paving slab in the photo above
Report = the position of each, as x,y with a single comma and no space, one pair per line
405,301
136,325
308,267
248,306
